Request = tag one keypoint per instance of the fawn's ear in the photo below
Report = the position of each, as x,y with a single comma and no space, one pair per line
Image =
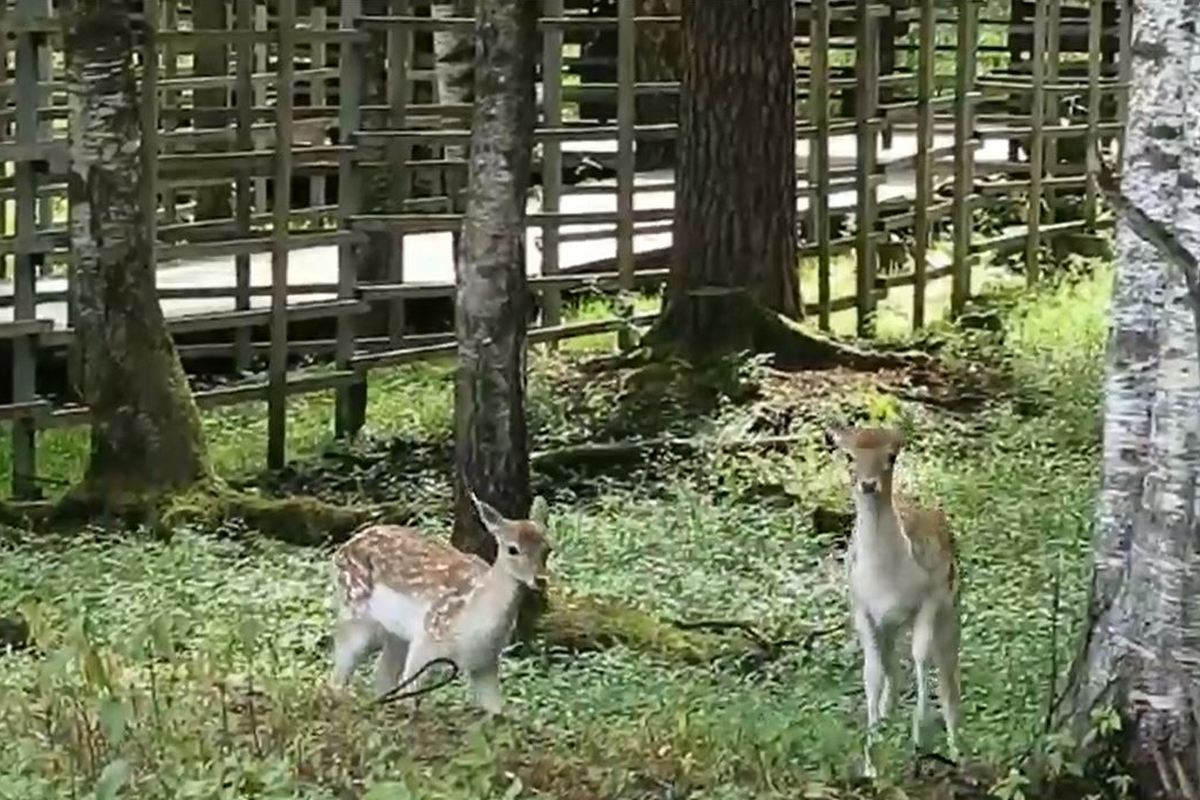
539,511
492,519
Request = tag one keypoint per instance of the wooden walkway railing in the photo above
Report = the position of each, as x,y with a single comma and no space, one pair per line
322,131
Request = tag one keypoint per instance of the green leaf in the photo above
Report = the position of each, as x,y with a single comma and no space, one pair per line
115,775
388,790
114,720
95,674
249,630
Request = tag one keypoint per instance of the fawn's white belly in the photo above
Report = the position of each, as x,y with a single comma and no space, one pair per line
399,614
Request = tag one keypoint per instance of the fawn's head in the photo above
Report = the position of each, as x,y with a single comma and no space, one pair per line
872,454
522,546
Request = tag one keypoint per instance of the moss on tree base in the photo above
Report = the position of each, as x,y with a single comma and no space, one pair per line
705,325
304,521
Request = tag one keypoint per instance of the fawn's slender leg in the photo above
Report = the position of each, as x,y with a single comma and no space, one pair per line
945,654
391,662
886,636
873,678
351,638
923,641
485,683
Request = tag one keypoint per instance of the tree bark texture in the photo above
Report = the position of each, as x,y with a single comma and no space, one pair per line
1141,651
735,209
146,433
491,309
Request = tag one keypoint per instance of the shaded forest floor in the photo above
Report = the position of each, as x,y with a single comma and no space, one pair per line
195,667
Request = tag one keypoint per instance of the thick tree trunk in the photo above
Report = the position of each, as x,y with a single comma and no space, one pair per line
492,451
735,208
212,58
146,434
1141,652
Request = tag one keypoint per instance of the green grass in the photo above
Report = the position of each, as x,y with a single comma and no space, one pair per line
195,665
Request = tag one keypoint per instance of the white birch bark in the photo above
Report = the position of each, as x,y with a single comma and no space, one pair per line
1141,649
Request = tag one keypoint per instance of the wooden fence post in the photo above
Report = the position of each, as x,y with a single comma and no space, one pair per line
280,235
820,148
27,260
866,101
1095,52
318,95
964,155
552,62
399,51
243,186
626,108
927,38
350,409
1037,145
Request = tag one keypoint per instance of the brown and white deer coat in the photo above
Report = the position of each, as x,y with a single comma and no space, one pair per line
902,574
421,599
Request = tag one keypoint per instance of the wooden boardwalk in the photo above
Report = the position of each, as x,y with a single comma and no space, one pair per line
429,258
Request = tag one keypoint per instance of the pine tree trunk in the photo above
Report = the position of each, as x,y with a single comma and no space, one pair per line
1141,651
146,434
735,207
492,451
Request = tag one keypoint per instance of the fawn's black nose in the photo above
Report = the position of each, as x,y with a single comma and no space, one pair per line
869,486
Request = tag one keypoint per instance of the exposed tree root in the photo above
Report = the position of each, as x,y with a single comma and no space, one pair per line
581,623
713,323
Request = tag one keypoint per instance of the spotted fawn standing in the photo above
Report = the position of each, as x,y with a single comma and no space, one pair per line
902,575
421,600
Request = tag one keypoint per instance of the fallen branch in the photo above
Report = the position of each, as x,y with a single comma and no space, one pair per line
768,649
397,693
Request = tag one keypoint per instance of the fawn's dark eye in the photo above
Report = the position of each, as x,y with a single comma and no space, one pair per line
891,459
513,551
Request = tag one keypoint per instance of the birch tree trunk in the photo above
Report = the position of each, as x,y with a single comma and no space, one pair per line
492,301
146,434
1141,650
